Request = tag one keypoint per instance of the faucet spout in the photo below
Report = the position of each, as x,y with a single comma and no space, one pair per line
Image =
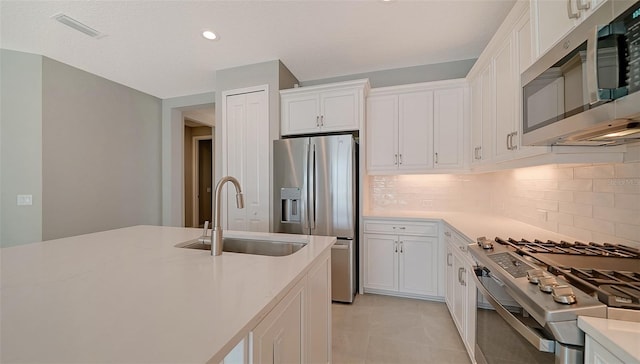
216,234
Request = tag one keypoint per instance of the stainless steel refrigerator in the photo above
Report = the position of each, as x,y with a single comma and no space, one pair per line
315,194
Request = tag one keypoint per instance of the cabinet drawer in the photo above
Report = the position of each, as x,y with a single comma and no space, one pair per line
401,227
456,239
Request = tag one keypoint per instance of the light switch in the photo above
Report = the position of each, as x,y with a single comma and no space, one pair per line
25,200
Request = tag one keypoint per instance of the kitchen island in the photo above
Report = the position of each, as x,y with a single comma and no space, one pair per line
129,295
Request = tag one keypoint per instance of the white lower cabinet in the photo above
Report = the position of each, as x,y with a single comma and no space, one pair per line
595,353
460,288
402,259
298,328
278,338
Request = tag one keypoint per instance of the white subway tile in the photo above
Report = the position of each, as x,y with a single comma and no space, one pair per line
595,171
547,205
627,201
558,195
627,170
560,217
611,239
575,185
576,209
591,224
626,231
617,215
594,198
575,233
617,185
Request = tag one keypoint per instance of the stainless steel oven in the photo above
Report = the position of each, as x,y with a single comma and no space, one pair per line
504,332
524,313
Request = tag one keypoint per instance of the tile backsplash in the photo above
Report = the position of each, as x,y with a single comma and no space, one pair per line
590,202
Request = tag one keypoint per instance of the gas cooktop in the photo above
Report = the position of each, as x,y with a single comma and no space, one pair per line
610,272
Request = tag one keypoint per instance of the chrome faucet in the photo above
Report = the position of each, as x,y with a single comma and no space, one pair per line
216,234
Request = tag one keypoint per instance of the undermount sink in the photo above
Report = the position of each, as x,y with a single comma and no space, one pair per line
249,246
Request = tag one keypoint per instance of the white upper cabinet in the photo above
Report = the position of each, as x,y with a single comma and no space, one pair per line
324,108
448,123
554,18
407,126
496,105
415,126
506,123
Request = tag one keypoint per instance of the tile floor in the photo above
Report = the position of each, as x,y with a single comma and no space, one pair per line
384,329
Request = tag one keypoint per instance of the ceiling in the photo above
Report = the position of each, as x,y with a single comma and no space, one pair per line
156,46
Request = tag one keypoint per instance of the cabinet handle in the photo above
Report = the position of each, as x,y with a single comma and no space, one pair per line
317,121
436,157
583,5
321,120
402,228
447,233
513,145
395,159
448,260
401,247
508,140
570,12
460,272
395,247
400,158
463,248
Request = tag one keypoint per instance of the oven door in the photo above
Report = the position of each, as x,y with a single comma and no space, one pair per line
506,335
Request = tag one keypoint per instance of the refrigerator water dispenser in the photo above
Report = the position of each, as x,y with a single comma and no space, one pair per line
290,201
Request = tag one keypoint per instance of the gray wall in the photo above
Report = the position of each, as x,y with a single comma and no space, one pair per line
101,153
407,75
20,147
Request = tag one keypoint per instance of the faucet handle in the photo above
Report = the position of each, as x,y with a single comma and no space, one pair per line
206,226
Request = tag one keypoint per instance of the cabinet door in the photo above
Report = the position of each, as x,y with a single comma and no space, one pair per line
552,20
278,338
460,293
475,86
450,276
381,262
418,265
415,130
340,110
448,122
505,99
470,312
247,153
488,116
300,113
318,314
382,133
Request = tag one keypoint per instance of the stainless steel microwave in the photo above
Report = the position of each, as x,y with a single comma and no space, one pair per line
585,90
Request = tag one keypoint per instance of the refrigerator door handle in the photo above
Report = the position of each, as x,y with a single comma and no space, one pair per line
312,186
304,201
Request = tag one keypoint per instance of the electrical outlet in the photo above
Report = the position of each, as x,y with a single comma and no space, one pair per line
25,200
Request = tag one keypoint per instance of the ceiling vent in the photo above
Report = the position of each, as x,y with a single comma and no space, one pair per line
70,22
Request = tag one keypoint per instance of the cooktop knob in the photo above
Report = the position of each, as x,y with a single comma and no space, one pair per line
485,243
546,284
563,294
535,275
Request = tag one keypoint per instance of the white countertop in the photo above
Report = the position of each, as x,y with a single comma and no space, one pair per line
475,225
622,338
129,295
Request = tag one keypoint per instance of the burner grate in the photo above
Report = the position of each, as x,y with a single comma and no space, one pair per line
614,288
575,248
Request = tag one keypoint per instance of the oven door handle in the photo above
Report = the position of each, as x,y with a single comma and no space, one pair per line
539,342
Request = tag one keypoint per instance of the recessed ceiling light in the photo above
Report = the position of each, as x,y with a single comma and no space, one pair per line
209,35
